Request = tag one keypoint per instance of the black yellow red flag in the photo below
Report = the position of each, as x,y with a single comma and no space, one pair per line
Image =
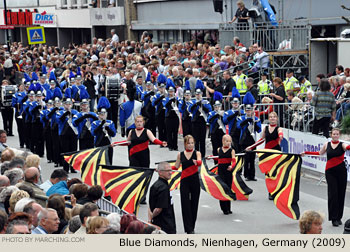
214,185
126,185
282,178
87,162
240,188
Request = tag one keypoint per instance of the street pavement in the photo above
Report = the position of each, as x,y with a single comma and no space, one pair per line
258,215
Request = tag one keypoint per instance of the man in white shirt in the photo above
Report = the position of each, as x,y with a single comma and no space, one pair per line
115,37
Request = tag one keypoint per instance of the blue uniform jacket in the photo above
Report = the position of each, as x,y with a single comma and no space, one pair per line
97,134
241,120
17,100
232,122
212,119
80,125
33,110
167,104
62,123
146,97
194,109
79,92
157,102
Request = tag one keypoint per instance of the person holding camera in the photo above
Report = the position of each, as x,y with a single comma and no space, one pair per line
90,84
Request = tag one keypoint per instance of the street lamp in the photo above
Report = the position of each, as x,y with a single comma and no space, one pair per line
7,32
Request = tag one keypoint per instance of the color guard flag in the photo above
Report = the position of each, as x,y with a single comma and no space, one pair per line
87,162
240,188
282,178
213,184
126,185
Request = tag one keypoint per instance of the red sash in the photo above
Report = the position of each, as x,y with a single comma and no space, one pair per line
224,160
189,171
138,148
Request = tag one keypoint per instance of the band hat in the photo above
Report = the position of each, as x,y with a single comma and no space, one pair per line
248,107
171,89
102,111
50,102
67,101
217,103
31,93
38,93
84,101
198,91
149,83
235,100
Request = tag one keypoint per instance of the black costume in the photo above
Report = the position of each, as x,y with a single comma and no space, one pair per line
336,176
272,139
224,161
189,191
138,149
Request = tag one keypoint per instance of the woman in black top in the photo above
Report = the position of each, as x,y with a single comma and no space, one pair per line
336,175
189,159
139,139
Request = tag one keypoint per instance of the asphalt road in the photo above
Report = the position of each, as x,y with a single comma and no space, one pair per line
258,215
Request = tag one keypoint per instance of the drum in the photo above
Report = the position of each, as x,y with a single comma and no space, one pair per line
113,88
6,94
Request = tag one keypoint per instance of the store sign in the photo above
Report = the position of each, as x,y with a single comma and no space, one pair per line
19,17
43,18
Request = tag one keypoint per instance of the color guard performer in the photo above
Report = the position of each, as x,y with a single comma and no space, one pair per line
336,175
189,159
227,161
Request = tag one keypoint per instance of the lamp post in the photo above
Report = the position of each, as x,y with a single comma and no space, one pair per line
6,30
